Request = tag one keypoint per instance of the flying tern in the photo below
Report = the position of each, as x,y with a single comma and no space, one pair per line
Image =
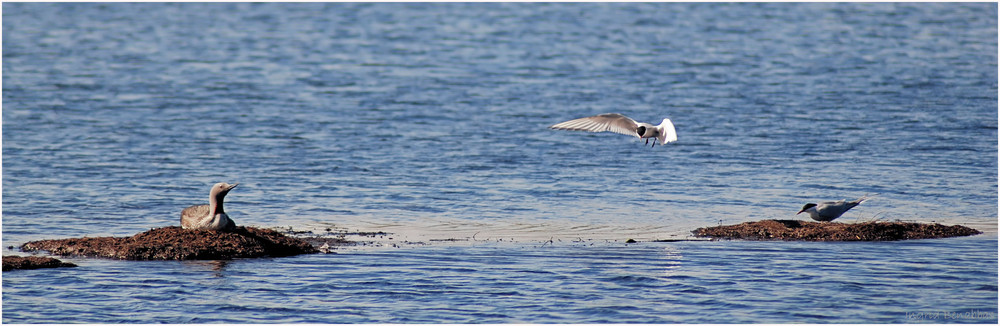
619,123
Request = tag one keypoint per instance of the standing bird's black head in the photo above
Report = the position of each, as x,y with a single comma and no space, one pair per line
805,207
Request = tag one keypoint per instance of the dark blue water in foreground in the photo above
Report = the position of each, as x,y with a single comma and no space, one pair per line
429,121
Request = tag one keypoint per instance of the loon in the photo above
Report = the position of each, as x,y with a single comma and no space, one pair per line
211,216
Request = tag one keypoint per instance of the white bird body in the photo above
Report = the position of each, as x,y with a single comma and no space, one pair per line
211,216
831,210
619,123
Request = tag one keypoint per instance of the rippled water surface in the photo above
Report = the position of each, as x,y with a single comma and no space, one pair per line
429,122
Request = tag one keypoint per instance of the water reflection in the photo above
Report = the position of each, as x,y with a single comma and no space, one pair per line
217,266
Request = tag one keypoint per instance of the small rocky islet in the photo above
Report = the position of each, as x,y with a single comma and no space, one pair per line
796,230
32,262
176,243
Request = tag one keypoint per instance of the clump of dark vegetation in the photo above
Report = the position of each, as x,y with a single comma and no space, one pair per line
176,243
31,262
832,231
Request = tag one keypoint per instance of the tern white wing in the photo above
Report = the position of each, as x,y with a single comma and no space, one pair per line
612,122
669,133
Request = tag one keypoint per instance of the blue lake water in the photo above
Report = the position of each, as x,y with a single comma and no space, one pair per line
429,122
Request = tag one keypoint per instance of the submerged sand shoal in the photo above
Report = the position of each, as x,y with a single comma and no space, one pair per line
833,231
175,243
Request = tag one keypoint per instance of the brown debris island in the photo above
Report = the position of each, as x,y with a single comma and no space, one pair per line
19,262
176,243
833,231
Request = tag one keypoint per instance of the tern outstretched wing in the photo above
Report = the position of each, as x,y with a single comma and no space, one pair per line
612,122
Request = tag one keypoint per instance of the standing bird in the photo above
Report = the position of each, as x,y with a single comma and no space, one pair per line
616,122
211,216
831,210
